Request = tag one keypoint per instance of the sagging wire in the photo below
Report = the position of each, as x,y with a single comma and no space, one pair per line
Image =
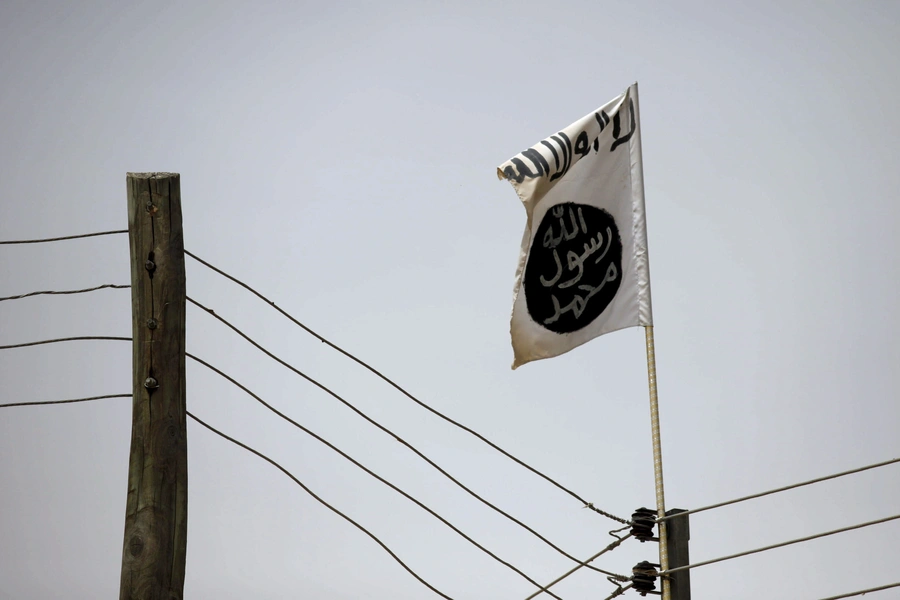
403,391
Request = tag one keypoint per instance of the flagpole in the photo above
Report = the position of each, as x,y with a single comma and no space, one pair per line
657,460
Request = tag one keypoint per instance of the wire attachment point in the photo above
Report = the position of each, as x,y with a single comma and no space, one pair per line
643,520
644,578
591,506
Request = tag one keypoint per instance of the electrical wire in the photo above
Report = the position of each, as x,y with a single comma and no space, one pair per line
415,450
619,591
93,289
780,545
781,489
612,546
405,392
364,468
314,435
68,237
395,557
68,339
323,502
43,402
863,592
615,594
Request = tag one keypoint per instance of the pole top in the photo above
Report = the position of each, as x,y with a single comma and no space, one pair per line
155,175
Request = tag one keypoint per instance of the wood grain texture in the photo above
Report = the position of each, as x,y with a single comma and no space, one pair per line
153,555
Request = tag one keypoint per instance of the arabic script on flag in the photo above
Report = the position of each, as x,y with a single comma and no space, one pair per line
583,268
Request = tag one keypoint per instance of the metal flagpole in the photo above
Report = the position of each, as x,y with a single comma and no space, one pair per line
657,460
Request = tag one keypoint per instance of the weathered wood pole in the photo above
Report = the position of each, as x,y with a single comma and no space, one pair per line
155,545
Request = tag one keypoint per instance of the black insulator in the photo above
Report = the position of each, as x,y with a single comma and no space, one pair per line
642,523
644,576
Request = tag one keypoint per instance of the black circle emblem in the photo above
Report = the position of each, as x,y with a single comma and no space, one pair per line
574,267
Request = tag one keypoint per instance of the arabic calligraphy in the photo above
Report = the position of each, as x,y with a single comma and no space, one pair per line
574,267
565,153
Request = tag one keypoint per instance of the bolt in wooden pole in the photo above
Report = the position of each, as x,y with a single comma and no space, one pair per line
153,555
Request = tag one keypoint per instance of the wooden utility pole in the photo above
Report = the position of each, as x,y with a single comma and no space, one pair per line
153,555
679,531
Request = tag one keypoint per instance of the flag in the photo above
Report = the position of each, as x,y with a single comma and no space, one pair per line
583,267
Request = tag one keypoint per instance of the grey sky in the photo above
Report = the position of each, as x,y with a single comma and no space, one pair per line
341,159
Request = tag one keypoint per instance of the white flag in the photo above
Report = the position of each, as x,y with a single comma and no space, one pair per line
583,268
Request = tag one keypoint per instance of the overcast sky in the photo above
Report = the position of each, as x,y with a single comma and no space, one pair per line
341,158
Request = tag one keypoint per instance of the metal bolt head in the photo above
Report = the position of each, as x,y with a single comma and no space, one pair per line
150,383
151,324
150,265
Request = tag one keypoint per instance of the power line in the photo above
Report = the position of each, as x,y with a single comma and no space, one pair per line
43,402
862,592
415,450
349,405
304,429
285,417
619,591
405,392
781,489
612,546
68,237
324,503
68,339
364,468
782,544
93,289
